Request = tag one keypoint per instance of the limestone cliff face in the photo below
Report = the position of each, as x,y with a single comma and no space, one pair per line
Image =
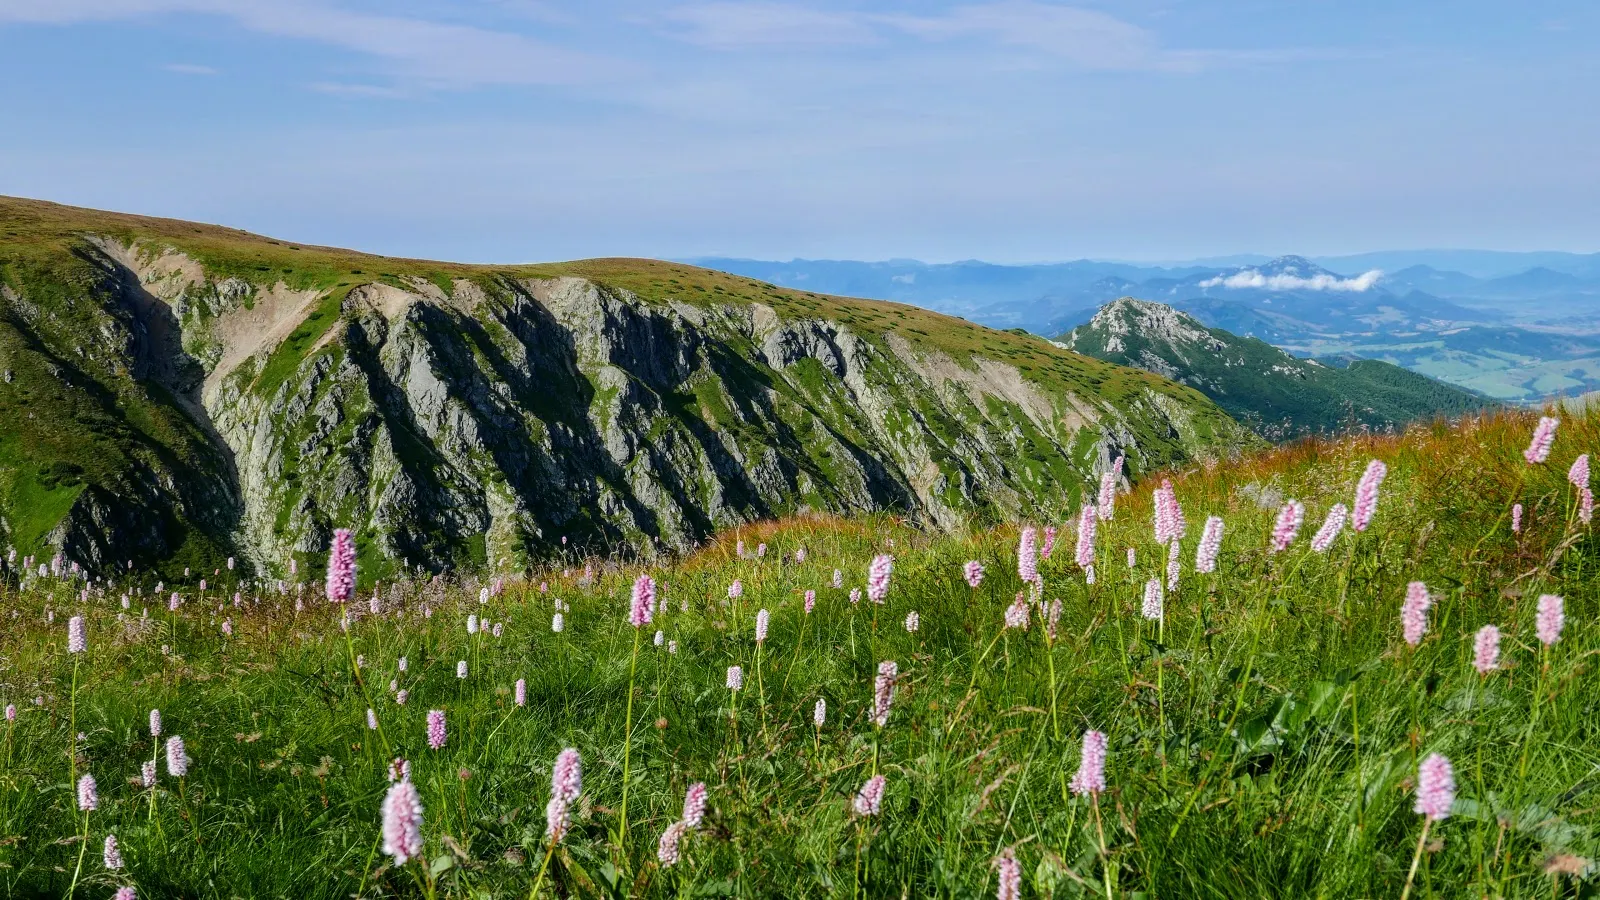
459,419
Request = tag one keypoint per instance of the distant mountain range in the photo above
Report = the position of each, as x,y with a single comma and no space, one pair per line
1517,327
1276,394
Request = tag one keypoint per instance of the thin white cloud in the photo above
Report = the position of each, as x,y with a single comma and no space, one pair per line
733,25
1254,279
1084,36
432,54
189,69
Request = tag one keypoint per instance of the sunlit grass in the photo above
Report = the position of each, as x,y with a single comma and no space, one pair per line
1264,736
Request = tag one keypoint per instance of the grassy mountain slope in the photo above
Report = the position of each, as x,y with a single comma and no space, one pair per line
1264,731
1279,395
199,391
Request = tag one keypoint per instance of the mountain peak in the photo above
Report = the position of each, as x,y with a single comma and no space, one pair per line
1144,320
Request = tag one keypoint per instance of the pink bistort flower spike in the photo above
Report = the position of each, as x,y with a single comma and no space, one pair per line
1205,555
1544,435
88,795
1331,527
1366,502
1414,612
1287,526
177,757
1486,650
402,822
341,584
1436,788
667,850
878,577
883,691
1086,528
566,776
1028,554
644,601
1550,619
763,621
869,802
1091,776
1008,873
436,729
1578,474
77,641
694,804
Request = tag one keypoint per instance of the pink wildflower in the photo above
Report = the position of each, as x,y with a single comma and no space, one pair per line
694,804
1544,435
566,776
1152,599
402,822
1017,614
811,601
838,579
1049,545
177,757
1288,525
1009,874
1551,617
1414,612
1436,788
1105,503
88,796
869,802
1366,503
644,601
1331,526
973,573
1579,473
436,729
819,713
112,854
878,577
1516,519
735,678
855,595
736,590
1091,776
557,818
372,720
667,849
147,773
1086,527
883,691
1028,554
1205,555
341,566
763,619
77,641
1486,650
913,621
520,692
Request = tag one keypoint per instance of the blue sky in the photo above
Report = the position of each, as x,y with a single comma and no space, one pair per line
1007,130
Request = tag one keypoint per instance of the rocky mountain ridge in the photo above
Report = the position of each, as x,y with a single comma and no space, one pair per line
185,392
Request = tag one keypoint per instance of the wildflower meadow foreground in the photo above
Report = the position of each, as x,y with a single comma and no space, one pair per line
1363,668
